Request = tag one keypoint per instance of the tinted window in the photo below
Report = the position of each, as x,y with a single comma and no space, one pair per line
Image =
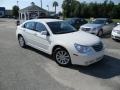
69,21
61,27
110,21
29,25
98,21
83,20
77,21
40,27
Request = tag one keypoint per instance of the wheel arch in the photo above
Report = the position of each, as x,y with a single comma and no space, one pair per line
58,46
54,56
19,35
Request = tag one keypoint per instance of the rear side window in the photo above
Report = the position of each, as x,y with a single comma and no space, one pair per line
29,25
40,27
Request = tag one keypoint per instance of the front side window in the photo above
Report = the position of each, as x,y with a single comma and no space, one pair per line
40,27
29,25
60,27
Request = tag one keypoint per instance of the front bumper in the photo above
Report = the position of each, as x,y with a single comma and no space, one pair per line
115,35
86,60
91,31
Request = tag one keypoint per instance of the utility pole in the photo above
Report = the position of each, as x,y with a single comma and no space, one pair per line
48,7
41,3
17,3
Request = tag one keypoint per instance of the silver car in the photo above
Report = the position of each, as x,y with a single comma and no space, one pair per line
99,26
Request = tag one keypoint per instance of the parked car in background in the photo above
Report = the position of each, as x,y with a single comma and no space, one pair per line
76,22
99,26
116,33
61,40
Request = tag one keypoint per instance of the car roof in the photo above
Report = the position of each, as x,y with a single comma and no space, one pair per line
102,18
45,20
74,18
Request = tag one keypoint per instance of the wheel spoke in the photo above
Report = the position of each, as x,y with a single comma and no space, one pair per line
62,57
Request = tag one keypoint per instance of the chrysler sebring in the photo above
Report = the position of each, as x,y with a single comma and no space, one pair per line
59,39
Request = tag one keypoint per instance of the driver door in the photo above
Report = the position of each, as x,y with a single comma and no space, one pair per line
42,40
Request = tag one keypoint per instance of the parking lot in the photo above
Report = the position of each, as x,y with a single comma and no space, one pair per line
30,69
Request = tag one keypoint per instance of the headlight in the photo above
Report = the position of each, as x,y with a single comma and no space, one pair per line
116,31
83,49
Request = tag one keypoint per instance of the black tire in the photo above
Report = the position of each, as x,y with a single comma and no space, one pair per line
21,41
100,33
62,57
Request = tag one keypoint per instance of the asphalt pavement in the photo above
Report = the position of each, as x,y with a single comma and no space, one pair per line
30,69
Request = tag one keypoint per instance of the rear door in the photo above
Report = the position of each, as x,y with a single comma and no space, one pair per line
29,32
108,26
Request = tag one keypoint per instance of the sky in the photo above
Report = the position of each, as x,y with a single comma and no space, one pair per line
8,4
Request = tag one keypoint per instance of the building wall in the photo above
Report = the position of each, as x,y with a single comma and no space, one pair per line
2,12
8,13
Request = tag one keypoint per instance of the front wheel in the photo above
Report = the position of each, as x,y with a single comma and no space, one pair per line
100,33
21,42
62,57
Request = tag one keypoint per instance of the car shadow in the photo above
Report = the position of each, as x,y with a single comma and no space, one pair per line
108,35
108,67
39,52
118,41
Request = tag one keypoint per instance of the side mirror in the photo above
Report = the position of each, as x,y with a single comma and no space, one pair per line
45,33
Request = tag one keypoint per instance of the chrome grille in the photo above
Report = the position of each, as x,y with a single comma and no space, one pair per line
85,29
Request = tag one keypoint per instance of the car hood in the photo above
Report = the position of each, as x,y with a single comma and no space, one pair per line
90,25
79,37
117,27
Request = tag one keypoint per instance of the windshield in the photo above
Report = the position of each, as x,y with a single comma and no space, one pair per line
98,21
60,27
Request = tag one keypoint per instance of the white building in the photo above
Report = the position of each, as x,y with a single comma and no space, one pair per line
32,12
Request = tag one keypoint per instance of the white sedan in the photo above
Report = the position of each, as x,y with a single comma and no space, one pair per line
59,39
116,33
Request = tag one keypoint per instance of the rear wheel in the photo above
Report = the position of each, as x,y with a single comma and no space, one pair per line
62,57
21,42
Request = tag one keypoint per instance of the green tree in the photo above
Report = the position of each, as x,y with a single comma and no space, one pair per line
55,4
71,8
110,7
15,11
67,8
75,9
115,12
